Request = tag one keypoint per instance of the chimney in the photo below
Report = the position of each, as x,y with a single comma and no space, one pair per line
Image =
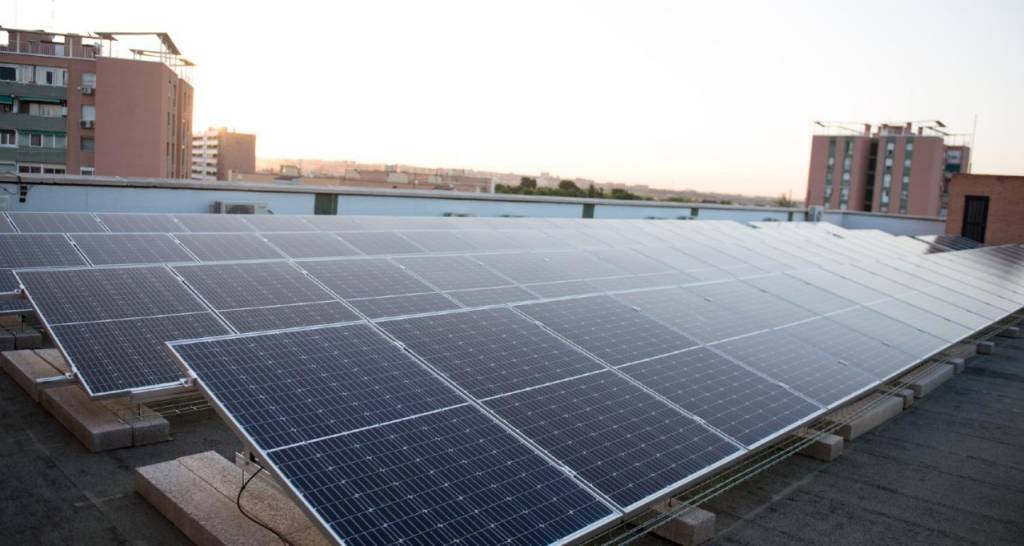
867,129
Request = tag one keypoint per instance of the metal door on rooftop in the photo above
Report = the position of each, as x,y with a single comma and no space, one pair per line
975,217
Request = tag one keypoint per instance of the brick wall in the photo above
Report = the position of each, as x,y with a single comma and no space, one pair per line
1005,208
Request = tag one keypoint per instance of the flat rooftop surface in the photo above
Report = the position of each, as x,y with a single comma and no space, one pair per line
949,470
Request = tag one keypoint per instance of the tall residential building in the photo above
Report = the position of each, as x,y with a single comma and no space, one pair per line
69,106
219,153
894,169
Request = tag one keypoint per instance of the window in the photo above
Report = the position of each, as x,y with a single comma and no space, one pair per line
87,144
35,140
888,162
88,79
46,75
8,167
910,146
8,137
45,110
87,171
890,147
43,140
8,73
906,180
906,163
846,177
30,169
48,169
88,112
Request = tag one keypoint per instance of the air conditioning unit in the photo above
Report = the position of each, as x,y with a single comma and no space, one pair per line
88,123
815,213
86,89
226,207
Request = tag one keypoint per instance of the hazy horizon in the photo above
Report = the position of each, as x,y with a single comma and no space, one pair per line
713,98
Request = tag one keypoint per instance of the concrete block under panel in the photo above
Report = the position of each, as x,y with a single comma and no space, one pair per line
930,379
689,528
98,428
879,410
958,364
1010,332
6,340
148,427
28,369
824,447
986,347
27,338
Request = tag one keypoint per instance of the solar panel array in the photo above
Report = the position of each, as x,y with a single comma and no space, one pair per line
527,380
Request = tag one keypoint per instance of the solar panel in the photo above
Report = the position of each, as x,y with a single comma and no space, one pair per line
760,308
906,337
225,247
472,482
15,306
380,243
729,397
337,379
410,304
130,248
114,356
852,347
796,291
277,223
5,224
365,278
491,296
526,268
55,222
608,329
438,241
655,280
565,288
84,295
936,325
948,310
690,313
37,250
140,223
262,319
310,245
625,442
490,351
581,265
254,284
839,286
335,223
803,368
8,282
453,272
213,223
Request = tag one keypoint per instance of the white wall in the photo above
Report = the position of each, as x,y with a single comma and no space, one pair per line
414,206
43,198
626,211
896,225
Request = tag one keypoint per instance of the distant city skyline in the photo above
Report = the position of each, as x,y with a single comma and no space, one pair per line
709,97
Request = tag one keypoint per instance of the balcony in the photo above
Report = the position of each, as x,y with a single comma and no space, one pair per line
47,49
25,122
18,89
23,154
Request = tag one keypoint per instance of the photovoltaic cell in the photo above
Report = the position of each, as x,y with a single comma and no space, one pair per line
491,296
365,278
839,286
335,223
380,243
337,379
911,340
759,307
15,306
37,250
84,295
140,223
226,247
451,476
55,222
608,329
261,319
729,397
255,284
396,306
656,280
5,224
213,223
310,245
805,369
631,261
525,268
581,265
490,351
690,313
856,349
277,223
119,355
130,248
8,282
951,311
936,325
808,296
453,272
438,241
614,435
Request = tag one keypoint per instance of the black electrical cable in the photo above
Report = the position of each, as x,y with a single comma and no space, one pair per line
238,502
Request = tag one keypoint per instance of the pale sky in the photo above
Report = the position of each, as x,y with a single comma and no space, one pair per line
716,96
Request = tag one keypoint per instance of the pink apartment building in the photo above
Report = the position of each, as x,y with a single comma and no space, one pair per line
894,169
69,106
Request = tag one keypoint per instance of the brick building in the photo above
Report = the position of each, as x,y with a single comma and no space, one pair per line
218,153
68,105
988,208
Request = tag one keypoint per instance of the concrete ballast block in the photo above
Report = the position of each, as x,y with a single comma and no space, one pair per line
824,447
1010,332
6,340
958,364
930,380
98,428
148,427
689,528
883,409
27,369
986,347
28,338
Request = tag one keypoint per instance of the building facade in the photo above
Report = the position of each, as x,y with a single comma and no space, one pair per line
987,208
217,154
67,108
893,170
